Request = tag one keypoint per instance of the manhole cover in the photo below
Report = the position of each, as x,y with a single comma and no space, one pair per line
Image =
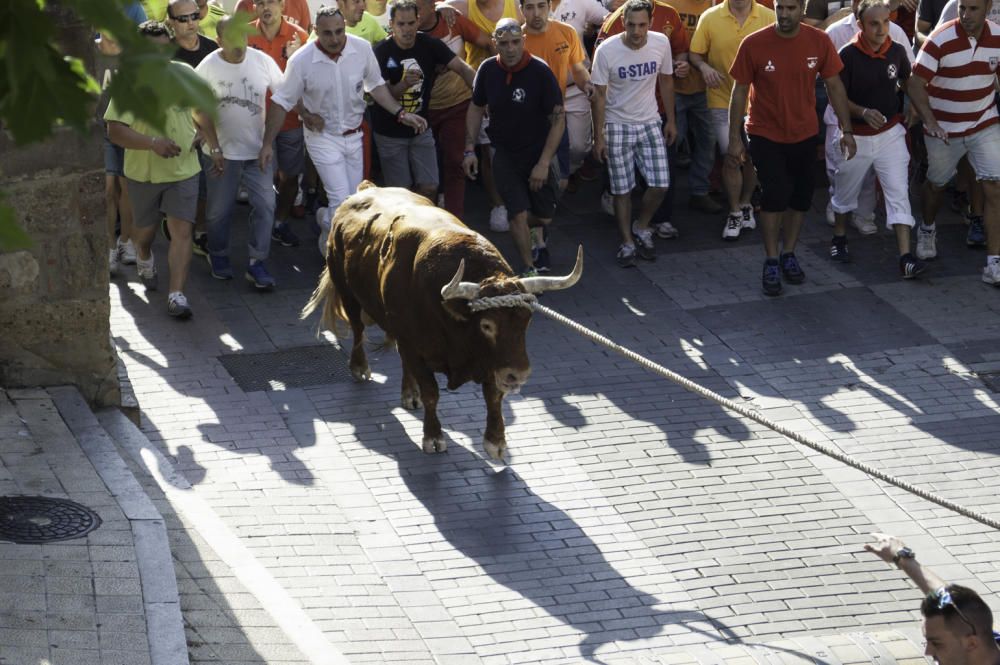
290,368
39,519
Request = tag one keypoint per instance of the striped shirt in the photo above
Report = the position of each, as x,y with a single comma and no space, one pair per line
960,73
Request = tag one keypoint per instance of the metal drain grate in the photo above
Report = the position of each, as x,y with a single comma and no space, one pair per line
290,368
40,519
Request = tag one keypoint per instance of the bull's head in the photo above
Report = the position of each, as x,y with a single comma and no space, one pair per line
500,310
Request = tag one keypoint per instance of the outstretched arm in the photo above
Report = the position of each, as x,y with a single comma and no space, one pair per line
887,548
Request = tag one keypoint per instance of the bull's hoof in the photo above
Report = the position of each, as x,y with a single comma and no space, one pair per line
411,400
496,451
435,444
362,373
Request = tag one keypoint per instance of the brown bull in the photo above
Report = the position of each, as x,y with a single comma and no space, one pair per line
395,259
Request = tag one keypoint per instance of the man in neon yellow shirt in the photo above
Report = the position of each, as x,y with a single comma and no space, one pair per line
161,173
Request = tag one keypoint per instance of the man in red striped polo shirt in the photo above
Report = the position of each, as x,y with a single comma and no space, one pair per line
953,90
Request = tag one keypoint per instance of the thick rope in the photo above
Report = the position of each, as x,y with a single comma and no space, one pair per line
509,300
766,422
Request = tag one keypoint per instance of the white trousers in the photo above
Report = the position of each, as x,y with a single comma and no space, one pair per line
834,158
887,155
580,126
339,161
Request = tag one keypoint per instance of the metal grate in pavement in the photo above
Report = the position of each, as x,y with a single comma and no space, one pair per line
40,519
289,368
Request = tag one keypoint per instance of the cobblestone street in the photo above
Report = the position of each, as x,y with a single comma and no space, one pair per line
635,519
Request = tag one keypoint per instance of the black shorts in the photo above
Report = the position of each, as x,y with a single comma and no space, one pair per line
511,172
785,171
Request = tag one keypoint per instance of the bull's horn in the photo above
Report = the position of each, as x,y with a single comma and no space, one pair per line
456,288
541,284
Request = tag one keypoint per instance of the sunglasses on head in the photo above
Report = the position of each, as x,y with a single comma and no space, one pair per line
945,601
187,18
507,27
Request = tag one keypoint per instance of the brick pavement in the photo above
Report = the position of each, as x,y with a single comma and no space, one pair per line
635,519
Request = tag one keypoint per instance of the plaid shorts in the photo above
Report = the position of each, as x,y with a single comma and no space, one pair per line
632,145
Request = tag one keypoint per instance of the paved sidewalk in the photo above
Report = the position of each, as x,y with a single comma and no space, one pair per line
635,520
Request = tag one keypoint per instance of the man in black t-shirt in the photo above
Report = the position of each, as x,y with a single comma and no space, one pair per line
410,61
183,17
875,71
527,119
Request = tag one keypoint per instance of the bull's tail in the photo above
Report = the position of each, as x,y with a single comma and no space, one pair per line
334,316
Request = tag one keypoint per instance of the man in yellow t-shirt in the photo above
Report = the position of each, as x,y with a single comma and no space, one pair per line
716,40
161,173
559,46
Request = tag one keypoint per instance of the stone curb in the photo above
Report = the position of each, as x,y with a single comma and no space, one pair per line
161,602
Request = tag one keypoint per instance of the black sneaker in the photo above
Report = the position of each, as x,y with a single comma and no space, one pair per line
976,235
910,266
771,279
838,249
540,257
790,269
283,235
200,245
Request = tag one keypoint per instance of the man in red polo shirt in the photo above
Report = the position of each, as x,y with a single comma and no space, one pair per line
280,38
776,67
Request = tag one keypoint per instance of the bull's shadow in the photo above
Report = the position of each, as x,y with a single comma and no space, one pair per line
536,550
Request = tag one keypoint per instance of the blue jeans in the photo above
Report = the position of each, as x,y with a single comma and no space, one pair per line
690,111
222,198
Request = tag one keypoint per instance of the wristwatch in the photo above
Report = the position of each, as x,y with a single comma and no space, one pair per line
903,553
216,151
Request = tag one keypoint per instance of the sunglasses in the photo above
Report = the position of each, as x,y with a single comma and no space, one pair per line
507,27
187,18
944,601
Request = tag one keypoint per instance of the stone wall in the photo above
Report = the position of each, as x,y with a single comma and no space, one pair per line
54,307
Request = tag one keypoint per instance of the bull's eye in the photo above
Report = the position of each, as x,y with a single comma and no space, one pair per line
489,328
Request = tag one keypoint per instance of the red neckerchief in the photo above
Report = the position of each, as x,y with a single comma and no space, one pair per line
332,56
525,59
862,46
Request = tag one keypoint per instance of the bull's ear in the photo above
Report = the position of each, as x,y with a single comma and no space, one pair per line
456,308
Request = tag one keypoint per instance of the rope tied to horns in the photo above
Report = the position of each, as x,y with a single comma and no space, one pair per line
527,300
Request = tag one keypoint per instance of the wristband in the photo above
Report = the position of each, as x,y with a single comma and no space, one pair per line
216,151
399,114
469,153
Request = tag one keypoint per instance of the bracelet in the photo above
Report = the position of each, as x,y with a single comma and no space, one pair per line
469,153
399,113
153,145
864,112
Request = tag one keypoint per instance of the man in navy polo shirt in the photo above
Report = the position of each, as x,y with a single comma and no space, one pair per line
525,102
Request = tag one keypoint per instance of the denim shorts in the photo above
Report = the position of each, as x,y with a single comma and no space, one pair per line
114,158
982,147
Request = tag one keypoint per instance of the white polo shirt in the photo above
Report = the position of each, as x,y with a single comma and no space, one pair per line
333,89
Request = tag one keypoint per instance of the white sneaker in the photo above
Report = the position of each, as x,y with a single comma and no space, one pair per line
926,242
127,250
114,260
177,305
147,273
749,221
865,225
666,230
734,224
831,218
608,203
498,219
991,273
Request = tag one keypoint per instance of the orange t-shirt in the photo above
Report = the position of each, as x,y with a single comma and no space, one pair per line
781,73
690,11
277,48
665,19
296,11
559,46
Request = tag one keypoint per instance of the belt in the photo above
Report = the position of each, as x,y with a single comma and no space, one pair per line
352,131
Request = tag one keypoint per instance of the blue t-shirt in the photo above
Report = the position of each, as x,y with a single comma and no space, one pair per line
519,110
